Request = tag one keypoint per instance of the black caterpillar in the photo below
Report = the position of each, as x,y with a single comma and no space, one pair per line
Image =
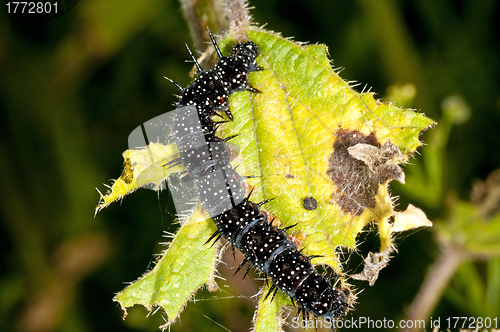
220,188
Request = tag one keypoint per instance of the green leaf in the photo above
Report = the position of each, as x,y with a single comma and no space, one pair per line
144,167
287,132
268,317
186,266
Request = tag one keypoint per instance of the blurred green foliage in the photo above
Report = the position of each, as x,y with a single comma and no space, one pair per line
72,90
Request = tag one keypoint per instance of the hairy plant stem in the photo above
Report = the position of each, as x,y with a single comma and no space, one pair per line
218,15
202,14
435,282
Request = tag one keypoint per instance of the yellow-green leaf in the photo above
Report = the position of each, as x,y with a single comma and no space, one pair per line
269,317
142,168
287,133
186,265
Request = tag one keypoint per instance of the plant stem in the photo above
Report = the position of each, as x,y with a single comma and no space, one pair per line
202,14
435,282
219,16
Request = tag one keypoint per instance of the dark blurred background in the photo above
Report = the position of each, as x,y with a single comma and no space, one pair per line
72,89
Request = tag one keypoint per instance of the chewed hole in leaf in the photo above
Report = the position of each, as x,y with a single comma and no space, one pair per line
358,164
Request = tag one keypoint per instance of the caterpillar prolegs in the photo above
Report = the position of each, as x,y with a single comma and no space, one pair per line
220,188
